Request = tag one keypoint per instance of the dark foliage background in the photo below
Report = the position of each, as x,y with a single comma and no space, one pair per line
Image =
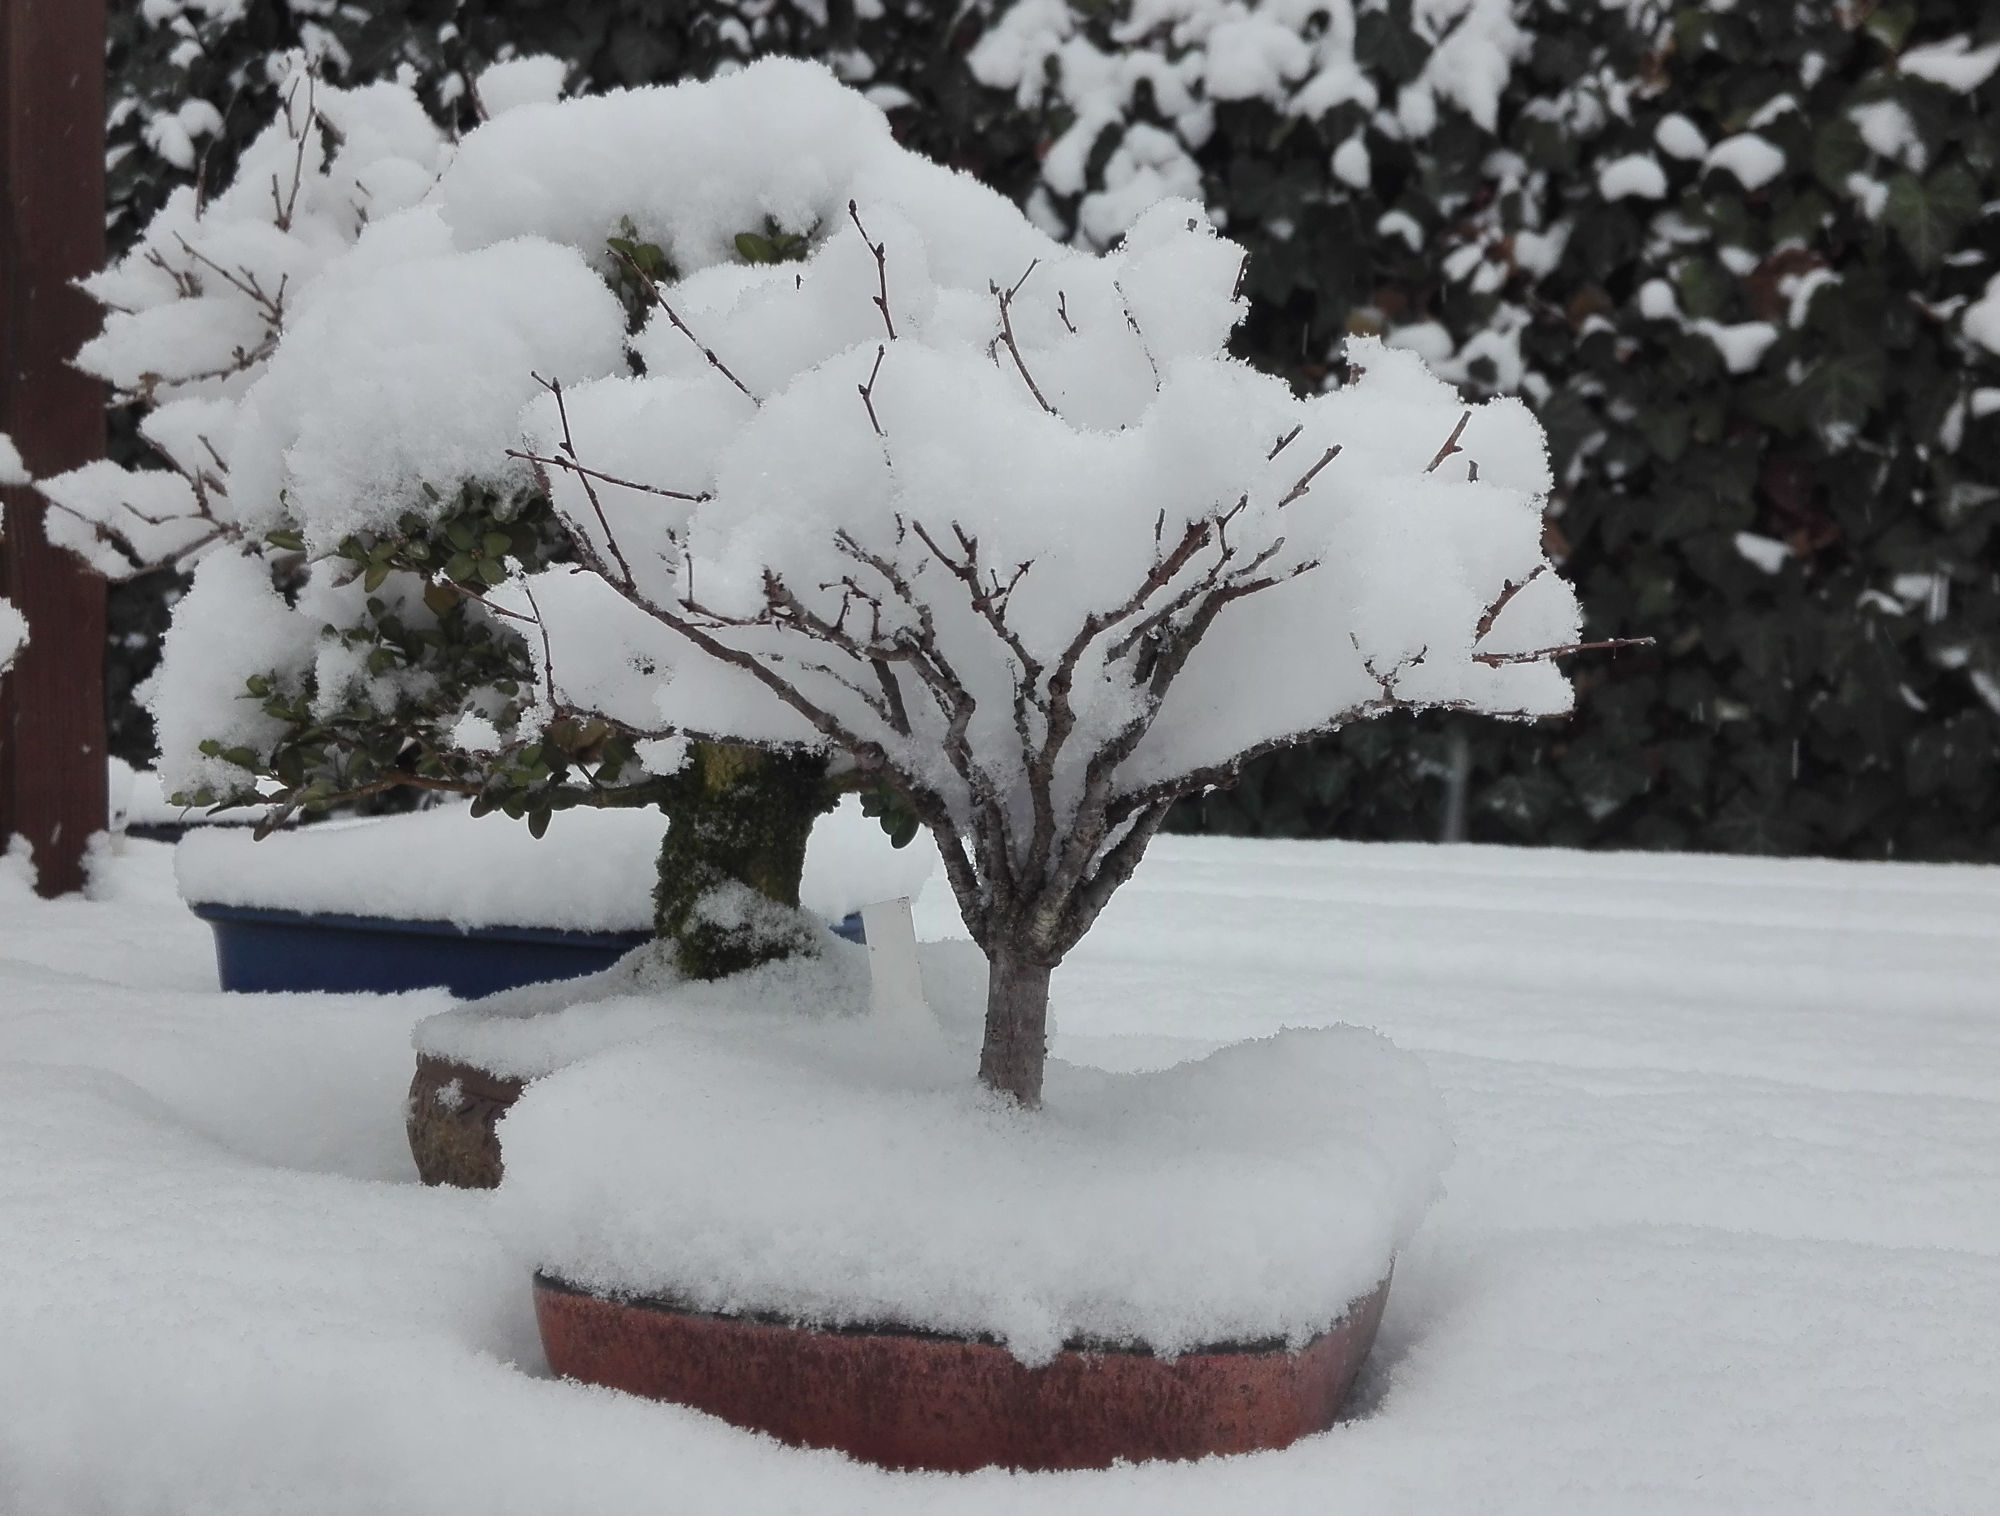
1836,697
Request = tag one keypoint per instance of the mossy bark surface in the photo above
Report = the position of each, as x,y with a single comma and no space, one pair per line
728,892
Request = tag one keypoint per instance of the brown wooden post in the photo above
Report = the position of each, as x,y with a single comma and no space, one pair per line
52,736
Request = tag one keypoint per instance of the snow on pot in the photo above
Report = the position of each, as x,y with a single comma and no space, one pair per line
811,1225
474,1060
475,905
432,898
899,490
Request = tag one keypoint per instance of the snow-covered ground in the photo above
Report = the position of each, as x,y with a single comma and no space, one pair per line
1723,1232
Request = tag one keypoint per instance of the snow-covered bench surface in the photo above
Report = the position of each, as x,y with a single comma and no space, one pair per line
1720,1234
593,871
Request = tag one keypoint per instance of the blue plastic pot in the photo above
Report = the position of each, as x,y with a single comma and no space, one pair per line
271,950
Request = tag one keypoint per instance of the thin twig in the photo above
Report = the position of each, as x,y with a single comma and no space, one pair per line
867,391
881,301
1450,444
1284,442
554,387
629,484
1062,310
548,653
1006,299
1306,479
1507,592
682,327
1542,655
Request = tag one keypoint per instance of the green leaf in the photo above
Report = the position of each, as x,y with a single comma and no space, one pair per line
1927,216
538,822
460,536
755,249
1890,24
496,544
286,540
373,579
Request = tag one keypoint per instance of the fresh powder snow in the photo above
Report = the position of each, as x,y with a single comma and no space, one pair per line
1718,1233
594,871
833,1169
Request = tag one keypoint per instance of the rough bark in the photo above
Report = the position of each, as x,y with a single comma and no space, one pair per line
1016,1047
739,818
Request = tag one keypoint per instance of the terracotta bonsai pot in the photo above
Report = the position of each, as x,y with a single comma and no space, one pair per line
920,1400
451,1115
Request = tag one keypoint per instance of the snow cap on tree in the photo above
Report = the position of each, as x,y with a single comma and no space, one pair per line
999,520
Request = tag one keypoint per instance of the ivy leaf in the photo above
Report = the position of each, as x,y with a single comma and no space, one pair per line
1926,216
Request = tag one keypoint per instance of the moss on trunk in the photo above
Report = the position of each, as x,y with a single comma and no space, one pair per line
728,892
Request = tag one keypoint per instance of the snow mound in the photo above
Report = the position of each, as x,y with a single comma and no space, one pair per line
539,1028
826,1170
593,871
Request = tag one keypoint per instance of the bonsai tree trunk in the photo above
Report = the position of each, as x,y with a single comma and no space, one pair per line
728,892
1016,1046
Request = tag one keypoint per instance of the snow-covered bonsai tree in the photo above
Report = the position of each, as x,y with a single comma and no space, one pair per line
993,522
1035,548
376,663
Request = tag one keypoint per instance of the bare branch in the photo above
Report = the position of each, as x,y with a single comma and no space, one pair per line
1542,655
548,653
1507,592
1284,442
1450,444
1006,299
554,387
572,466
867,391
881,301
1062,310
682,327
1306,479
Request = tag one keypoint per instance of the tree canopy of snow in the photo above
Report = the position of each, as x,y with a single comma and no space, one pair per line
1040,666
196,308
1717,1235
444,865
836,1171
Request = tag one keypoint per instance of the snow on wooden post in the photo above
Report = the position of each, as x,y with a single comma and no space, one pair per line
52,738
